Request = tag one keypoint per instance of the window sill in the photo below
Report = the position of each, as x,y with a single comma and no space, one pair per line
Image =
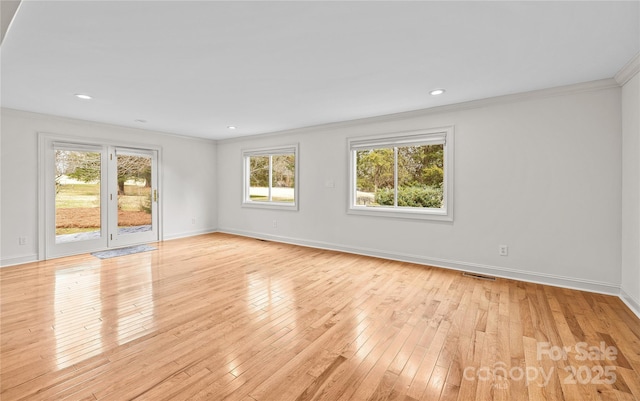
402,213
271,205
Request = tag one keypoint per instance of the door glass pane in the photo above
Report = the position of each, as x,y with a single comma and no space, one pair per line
77,201
134,194
259,178
283,178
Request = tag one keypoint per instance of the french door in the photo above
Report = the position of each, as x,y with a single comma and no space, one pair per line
99,197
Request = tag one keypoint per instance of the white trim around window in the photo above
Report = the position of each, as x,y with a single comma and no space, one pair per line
260,189
392,142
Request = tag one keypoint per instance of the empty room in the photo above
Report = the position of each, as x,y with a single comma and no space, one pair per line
320,200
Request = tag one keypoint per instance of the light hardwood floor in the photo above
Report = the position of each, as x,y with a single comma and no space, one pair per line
223,317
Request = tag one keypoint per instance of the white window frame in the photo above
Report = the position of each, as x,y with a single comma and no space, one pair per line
273,151
432,136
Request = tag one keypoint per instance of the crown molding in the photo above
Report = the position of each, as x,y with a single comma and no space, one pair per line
71,120
590,86
628,71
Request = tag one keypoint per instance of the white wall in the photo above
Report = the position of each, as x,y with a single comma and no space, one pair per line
539,172
188,177
631,193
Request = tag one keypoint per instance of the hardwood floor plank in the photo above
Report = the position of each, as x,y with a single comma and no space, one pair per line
225,317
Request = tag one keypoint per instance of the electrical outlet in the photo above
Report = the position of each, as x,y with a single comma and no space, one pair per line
503,250
22,240
275,224
193,220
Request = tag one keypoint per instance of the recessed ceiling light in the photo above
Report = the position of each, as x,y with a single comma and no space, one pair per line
231,127
83,96
436,92
141,121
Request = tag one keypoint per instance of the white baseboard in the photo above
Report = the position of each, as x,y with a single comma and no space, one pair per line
34,257
186,234
515,274
18,260
630,301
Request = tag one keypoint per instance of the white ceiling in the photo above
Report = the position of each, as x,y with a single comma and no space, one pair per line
194,68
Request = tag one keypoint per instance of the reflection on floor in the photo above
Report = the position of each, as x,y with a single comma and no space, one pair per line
224,317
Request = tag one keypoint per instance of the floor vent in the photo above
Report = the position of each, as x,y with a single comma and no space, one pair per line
479,276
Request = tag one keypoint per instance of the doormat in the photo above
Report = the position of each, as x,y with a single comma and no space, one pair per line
112,253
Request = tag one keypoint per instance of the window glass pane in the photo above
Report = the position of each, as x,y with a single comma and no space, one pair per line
270,178
283,178
259,178
374,177
404,175
421,176
77,199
